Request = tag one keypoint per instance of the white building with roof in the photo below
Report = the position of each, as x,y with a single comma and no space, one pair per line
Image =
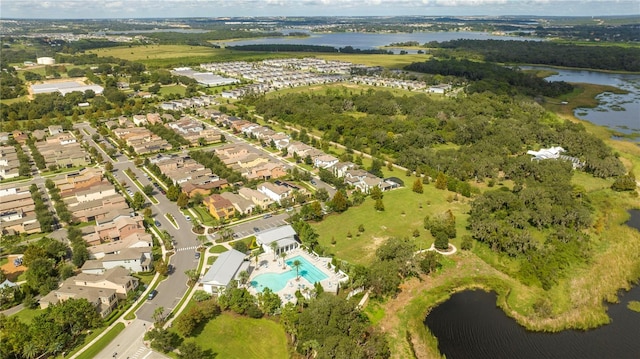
284,236
225,269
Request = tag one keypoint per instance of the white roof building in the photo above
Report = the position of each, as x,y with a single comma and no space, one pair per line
225,269
285,236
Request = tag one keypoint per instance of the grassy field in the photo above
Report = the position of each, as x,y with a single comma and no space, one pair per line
27,315
404,212
231,336
173,89
168,55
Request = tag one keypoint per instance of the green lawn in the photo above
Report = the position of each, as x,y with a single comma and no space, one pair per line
204,216
96,348
231,336
218,249
174,89
27,315
392,222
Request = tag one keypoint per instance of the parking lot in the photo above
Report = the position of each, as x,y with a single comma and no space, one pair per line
258,225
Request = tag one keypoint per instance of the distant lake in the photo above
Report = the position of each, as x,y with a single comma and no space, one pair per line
367,41
620,112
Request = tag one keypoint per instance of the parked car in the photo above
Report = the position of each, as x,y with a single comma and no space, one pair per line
256,229
188,218
152,294
158,224
268,215
197,255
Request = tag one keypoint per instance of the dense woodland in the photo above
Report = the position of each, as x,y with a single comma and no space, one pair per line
492,132
613,58
497,79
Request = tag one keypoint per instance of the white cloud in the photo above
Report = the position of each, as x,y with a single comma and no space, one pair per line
213,8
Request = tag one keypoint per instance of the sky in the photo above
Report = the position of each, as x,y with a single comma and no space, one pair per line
89,9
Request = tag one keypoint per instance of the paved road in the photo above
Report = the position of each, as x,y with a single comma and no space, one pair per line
129,344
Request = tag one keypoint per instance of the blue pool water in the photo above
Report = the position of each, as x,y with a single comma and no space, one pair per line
277,281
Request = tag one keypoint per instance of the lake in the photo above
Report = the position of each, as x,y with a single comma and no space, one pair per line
620,112
367,41
470,325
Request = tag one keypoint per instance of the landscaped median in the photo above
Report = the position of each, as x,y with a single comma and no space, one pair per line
169,216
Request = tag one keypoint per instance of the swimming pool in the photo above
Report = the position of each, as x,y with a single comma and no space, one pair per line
277,281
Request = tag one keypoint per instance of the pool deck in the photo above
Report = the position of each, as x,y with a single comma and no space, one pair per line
287,294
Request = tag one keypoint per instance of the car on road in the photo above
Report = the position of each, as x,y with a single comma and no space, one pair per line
313,182
188,218
162,191
152,294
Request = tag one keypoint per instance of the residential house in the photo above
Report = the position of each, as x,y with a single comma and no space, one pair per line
258,198
241,204
116,278
275,192
219,207
104,299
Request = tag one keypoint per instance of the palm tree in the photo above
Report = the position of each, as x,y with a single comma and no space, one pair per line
297,264
30,351
274,248
283,255
255,255
244,277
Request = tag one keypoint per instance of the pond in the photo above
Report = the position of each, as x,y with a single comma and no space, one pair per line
470,325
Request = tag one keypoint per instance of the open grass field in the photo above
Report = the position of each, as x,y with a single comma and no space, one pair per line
173,89
173,55
404,212
235,337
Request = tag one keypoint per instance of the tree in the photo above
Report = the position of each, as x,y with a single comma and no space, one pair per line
274,248
269,302
417,186
243,276
138,201
183,200
108,166
147,189
191,350
441,181
339,202
625,183
283,255
297,264
173,192
376,193
322,194
158,316
240,246
379,206
430,261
